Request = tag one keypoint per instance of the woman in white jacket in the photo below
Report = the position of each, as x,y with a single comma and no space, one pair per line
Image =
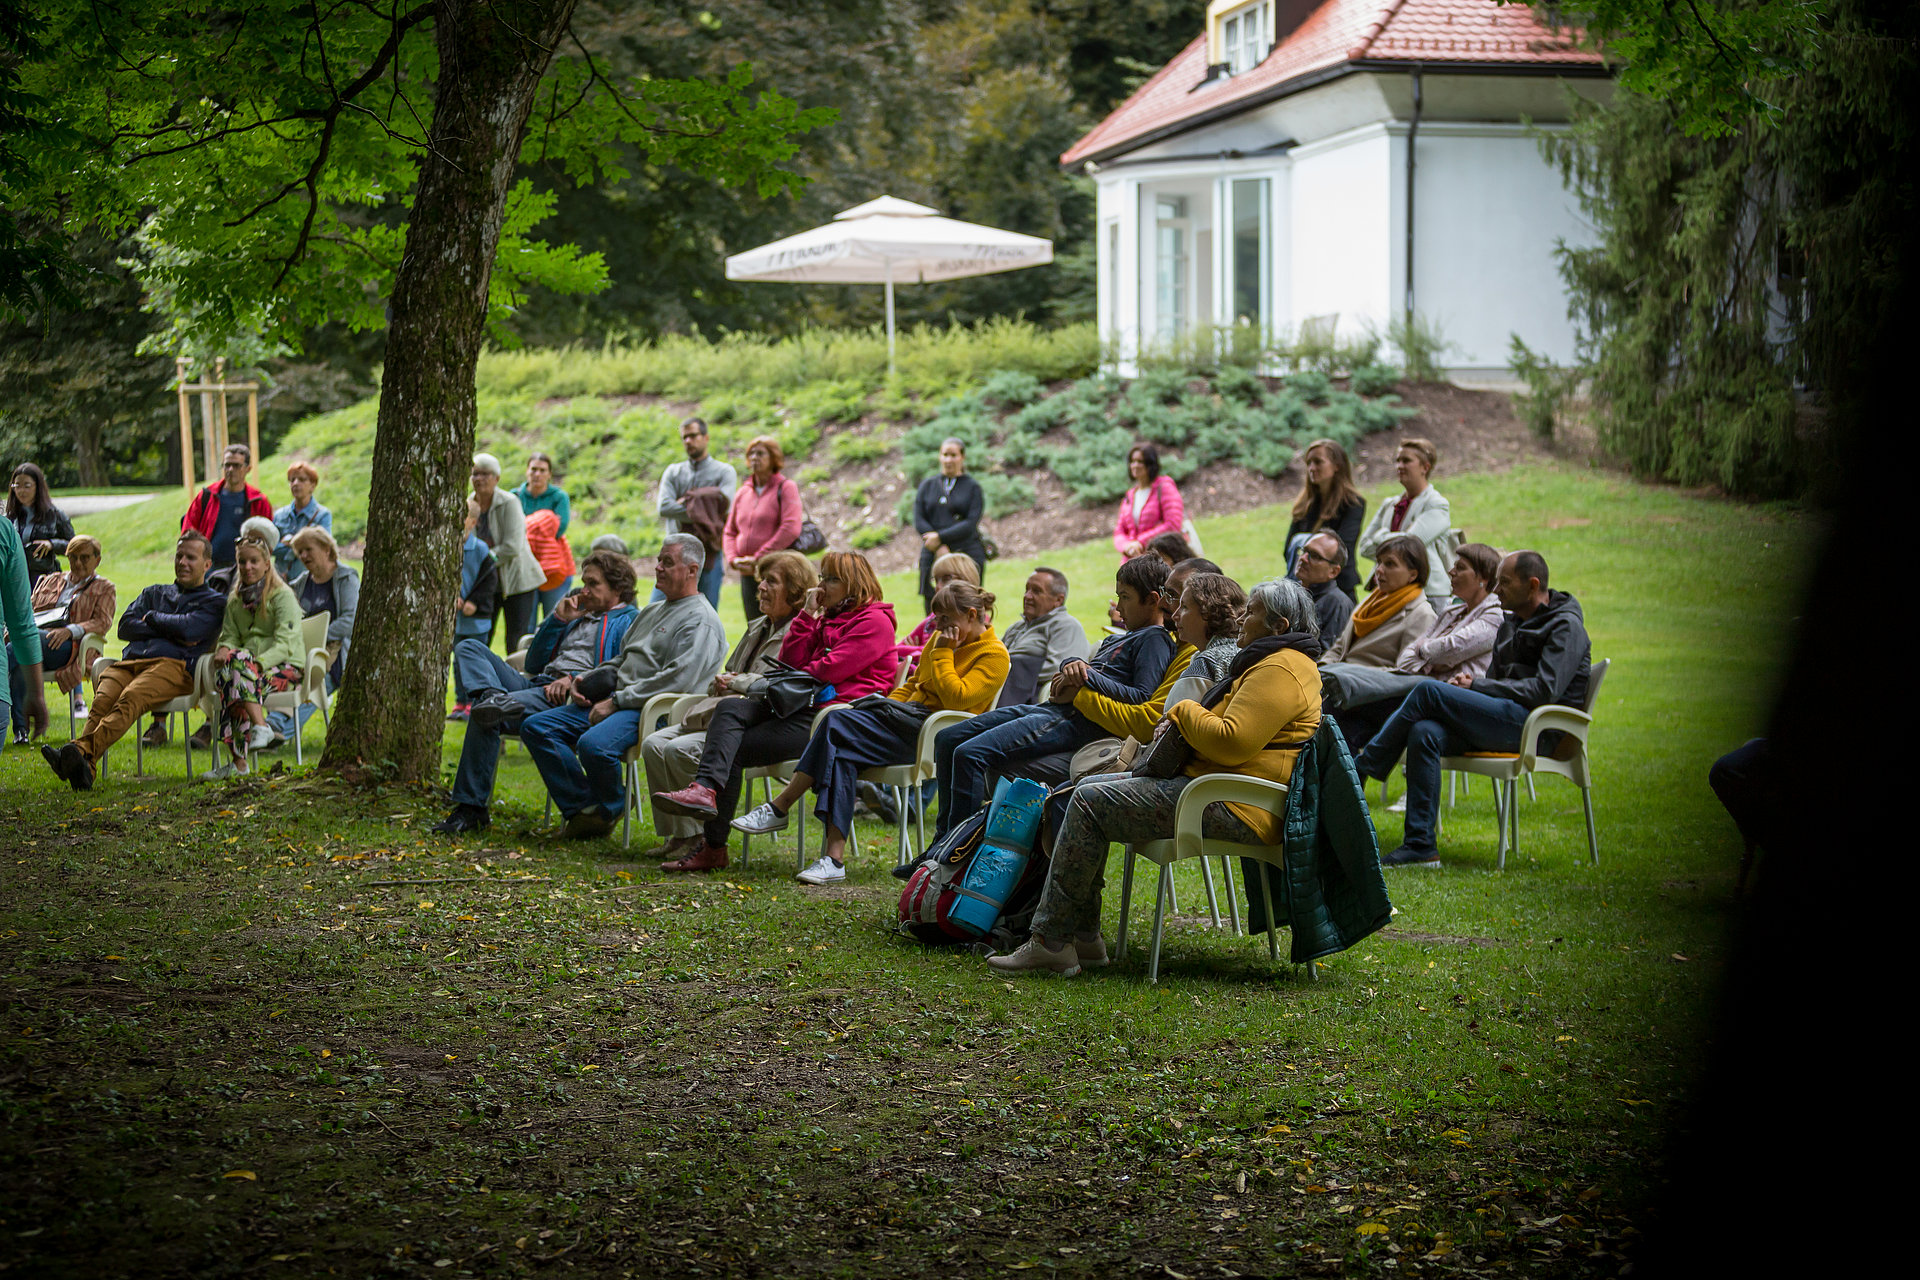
503,526
1420,512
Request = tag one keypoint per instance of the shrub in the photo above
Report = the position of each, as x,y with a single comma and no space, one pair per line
1005,494
869,536
1373,379
1421,345
849,448
1311,386
1012,389
1549,386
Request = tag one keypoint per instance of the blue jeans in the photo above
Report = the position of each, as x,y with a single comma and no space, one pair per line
846,743
971,755
713,576
1438,719
581,763
546,599
481,671
53,655
287,724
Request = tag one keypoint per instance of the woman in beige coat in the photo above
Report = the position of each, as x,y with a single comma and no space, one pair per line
1395,615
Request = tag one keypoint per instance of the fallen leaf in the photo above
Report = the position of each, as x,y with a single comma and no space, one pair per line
248,1174
326,1053
1678,956
1372,1229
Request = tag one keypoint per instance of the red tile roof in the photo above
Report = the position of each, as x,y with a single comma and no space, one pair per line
1339,32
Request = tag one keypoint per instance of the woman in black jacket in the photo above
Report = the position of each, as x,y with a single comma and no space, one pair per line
43,528
1328,500
946,512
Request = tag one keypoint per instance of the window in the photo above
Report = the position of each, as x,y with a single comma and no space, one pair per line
1170,266
1246,36
1248,257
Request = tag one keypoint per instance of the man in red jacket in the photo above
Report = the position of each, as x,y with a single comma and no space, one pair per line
218,511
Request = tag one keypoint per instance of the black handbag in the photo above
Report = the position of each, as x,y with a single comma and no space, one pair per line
1168,755
598,684
810,539
789,689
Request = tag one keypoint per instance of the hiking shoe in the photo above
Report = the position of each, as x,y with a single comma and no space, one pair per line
1092,950
1034,955
824,870
588,824
461,711
221,772
464,818
695,800
496,707
1405,856
74,767
56,758
202,737
259,738
702,857
156,734
763,820
677,847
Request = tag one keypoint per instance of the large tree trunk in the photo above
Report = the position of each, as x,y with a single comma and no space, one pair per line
492,57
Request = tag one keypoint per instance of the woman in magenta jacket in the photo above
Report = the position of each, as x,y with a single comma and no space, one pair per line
1152,506
765,517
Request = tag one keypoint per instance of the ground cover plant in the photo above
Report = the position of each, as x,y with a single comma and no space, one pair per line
276,1027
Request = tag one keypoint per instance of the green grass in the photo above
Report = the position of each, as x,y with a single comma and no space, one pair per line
553,1054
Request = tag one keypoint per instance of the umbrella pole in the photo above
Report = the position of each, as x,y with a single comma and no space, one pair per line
889,319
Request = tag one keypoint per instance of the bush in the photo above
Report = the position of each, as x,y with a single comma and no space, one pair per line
869,536
1421,345
1311,386
849,448
1373,379
1549,386
1005,494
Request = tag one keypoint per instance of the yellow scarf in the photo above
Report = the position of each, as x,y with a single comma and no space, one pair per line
1380,606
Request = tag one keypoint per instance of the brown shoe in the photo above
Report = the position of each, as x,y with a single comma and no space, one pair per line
203,736
588,824
156,734
705,857
674,848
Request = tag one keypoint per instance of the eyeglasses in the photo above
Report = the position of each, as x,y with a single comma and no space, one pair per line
1315,556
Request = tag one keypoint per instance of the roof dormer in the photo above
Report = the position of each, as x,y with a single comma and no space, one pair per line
1239,35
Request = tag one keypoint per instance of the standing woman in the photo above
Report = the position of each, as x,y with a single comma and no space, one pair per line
88,600
259,649
503,526
1152,506
43,528
1330,501
538,494
765,517
946,513
1420,513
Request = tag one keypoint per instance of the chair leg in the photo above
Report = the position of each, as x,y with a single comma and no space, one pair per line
1233,899
299,756
1531,795
626,813
1513,817
1313,971
1159,921
1451,775
1500,820
1213,903
1126,901
905,841
186,740
1266,900
919,818
1593,837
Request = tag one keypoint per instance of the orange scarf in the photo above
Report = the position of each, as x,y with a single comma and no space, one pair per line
1382,605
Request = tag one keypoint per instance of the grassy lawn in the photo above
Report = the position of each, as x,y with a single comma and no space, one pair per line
274,1026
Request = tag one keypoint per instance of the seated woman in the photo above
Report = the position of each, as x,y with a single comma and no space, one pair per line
88,601
1396,614
1459,644
258,651
1255,726
843,637
950,567
961,669
672,755
1212,608
327,587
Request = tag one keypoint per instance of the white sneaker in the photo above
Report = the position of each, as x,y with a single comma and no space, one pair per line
1398,806
259,737
764,820
220,771
824,871
1033,955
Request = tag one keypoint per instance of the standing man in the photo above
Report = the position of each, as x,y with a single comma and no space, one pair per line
701,470
1322,559
1046,638
675,645
217,511
16,606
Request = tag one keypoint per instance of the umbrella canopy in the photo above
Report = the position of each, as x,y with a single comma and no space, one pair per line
888,240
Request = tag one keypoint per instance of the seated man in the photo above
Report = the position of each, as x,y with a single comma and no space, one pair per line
1322,559
168,628
1540,658
1046,638
675,645
585,629
1126,669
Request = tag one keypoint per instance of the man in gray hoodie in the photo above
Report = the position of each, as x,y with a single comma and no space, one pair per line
674,646
1045,639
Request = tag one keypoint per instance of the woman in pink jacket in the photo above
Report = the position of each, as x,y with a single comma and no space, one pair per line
765,517
842,636
1152,506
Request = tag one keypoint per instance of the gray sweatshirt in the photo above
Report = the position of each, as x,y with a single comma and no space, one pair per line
674,646
682,478
1057,638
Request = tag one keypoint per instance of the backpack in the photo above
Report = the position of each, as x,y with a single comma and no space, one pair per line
984,867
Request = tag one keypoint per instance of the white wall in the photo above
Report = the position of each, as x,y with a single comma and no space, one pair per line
1339,225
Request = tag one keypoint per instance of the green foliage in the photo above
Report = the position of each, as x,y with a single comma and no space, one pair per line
1548,387
1421,346
869,536
1373,379
848,447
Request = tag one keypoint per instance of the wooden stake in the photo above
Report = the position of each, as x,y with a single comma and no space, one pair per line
186,427
253,422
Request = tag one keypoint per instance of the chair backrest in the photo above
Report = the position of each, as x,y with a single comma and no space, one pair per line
1595,674
313,631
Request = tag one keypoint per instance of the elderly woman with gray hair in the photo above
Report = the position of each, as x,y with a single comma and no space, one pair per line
1253,721
503,526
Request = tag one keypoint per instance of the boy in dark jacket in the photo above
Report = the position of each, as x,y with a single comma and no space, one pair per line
1126,668
1540,658
168,628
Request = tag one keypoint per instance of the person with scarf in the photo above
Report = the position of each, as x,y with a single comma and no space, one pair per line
1252,722
1420,512
259,650
1395,615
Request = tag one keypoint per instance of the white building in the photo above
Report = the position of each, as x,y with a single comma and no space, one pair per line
1344,162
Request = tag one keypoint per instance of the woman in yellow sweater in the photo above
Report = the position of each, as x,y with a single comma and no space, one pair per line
1252,722
961,669
259,647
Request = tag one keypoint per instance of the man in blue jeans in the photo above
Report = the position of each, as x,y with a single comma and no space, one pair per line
1540,658
585,629
675,645
1125,668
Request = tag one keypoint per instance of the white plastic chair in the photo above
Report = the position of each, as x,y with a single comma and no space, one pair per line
905,780
1187,842
782,772
181,706
313,680
674,706
92,649
1569,760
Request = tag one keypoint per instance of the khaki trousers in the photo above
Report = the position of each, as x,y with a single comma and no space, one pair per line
128,690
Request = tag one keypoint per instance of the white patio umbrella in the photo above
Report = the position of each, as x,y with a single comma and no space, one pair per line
885,240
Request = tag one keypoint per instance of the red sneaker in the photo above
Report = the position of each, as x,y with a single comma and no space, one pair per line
704,857
696,800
